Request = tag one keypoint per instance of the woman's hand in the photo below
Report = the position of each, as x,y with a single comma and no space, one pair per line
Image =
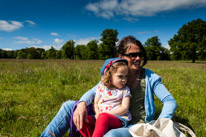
80,115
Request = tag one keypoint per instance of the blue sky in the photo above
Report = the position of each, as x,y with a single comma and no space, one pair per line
46,23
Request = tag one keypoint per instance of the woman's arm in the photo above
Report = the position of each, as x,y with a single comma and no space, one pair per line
123,109
169,103
88,97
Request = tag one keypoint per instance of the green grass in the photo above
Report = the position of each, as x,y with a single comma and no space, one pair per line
32,91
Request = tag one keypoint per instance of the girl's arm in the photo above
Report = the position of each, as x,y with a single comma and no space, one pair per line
96,108
123,109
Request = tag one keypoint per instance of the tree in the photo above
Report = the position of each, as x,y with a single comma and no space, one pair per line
80,52
190,41
108,48
43,55
51,53
21,54
154,49
92,49
1,56
68,49
34,53
58,54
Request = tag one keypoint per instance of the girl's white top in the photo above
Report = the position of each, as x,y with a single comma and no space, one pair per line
112,99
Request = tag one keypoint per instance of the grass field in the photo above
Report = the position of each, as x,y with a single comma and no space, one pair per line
32,91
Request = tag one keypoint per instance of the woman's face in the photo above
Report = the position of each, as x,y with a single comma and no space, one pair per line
134,62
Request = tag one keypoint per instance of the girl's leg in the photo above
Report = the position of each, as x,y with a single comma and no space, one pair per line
61,122
104,123
88,128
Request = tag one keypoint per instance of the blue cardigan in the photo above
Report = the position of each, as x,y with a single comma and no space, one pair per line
153,86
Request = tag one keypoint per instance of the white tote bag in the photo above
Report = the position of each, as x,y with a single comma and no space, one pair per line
161,127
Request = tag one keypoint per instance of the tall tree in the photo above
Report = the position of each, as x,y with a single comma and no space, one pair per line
68,49
92,50
190,41
154,49
80,52
51,53
108,48
3,54
34,53
21,54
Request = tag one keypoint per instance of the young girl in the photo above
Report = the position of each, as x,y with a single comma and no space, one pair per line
111,101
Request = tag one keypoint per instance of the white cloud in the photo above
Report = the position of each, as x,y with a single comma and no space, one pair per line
7,49
103,8
167,46
144,32
46,47
30,22
54,34
10,25
24,40
131,19
147,32
57,45
135,8
58,41
21,38
85,40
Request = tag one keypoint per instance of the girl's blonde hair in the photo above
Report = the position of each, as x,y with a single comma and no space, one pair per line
107,78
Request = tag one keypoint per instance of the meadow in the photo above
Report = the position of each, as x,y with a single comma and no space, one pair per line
32,91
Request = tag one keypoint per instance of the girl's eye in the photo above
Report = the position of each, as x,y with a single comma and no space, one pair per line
120,76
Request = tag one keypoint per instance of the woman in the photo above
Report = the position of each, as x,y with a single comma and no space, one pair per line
143,83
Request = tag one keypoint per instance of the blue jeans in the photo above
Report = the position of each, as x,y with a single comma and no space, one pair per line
61,122
119,132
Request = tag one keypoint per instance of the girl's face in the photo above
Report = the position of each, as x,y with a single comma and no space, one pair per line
119,78
134,59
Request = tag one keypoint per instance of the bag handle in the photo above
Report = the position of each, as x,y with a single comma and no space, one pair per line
184,128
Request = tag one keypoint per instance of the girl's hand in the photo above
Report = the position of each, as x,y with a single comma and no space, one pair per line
96,115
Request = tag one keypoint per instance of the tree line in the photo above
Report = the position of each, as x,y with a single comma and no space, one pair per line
188,44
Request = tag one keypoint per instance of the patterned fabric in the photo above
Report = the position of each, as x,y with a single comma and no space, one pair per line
112,99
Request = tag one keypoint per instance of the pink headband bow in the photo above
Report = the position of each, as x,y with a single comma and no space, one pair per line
108,65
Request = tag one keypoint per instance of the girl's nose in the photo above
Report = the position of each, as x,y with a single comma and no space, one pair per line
124,80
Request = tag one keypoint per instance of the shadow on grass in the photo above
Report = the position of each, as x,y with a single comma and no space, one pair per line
183,121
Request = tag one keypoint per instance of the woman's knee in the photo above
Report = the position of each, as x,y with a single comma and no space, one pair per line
111,133
68,106
119,132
